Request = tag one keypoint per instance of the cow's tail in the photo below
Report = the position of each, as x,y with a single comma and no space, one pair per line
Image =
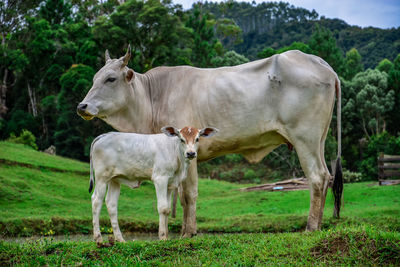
337,187
91,182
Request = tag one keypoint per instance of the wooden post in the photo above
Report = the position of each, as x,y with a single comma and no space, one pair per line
381,174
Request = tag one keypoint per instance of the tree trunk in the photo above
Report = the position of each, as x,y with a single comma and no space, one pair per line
3,86
32,99
3,94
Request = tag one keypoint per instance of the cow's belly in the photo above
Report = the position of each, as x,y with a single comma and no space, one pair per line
253,148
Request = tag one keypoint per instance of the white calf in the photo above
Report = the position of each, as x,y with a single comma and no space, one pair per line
128,158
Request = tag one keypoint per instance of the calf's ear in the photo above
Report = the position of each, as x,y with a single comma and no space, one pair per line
129,75
170,131
208,131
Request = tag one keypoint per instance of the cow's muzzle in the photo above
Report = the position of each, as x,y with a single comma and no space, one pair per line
81,109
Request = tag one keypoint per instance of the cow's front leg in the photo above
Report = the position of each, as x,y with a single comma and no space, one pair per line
112,208
97,202
188,196
163,205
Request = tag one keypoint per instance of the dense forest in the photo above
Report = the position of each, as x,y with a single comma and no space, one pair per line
50,50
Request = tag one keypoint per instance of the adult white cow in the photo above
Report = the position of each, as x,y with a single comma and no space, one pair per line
130,158
257,106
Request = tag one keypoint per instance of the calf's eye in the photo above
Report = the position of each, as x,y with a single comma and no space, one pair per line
183,141
110,80
197,139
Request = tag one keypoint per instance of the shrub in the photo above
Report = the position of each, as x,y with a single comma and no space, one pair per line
250,174
26,138
351,177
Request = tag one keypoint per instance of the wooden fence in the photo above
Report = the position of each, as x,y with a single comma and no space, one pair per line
388,166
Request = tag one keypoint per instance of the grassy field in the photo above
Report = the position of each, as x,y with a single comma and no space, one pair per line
47,195
362,246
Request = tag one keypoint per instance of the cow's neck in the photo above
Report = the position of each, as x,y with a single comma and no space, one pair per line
137,115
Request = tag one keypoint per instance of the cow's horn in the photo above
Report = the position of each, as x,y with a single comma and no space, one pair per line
127,56
107,55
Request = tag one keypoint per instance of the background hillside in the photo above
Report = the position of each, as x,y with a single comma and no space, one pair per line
50,50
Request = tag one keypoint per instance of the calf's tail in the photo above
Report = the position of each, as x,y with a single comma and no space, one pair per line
337,187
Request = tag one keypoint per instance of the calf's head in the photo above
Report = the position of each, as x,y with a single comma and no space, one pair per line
110,90
189,138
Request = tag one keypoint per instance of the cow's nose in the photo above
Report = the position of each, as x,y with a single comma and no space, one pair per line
81,107
190,155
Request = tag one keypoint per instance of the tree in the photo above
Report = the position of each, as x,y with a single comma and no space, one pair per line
373,101
12,17
153,29
323,44
385,65
230,58
204,41
394,85
353,64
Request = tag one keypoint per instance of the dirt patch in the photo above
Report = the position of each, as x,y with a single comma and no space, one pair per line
359,246
39,167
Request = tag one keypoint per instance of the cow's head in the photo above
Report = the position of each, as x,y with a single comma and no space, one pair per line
110,90
189,138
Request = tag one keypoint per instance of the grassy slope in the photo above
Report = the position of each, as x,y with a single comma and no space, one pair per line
38,200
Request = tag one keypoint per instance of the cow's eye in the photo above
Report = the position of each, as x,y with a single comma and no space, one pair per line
110,80
183,141
197,139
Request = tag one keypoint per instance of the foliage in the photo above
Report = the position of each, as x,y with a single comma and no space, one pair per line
204,41
26,138
351,177
382,142
369,100
385,65
323,44
230,58
353,64
268,51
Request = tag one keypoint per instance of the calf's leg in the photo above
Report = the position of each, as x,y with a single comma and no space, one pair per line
112,208
97,202
188,196
163,205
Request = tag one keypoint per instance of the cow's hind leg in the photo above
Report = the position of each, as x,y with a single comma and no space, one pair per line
188,195
314,167
97,202
112,208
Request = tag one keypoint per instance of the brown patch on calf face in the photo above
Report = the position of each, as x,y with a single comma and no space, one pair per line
190,134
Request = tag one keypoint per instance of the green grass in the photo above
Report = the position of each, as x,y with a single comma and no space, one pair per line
26,155
362,246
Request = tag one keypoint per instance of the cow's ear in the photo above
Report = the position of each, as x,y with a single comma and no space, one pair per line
129,75
170,131
208,132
